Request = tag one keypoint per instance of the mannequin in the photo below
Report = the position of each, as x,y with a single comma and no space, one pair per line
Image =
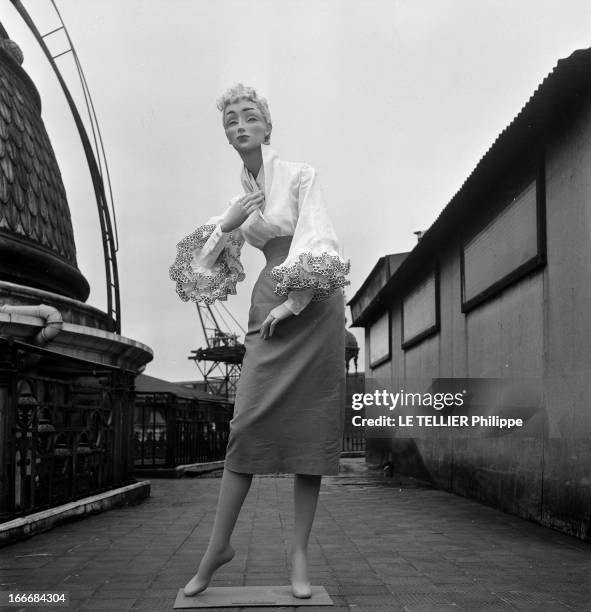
207,268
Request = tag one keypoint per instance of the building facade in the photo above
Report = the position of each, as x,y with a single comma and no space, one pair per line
493,303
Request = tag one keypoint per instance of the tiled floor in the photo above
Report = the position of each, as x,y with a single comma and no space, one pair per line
376,545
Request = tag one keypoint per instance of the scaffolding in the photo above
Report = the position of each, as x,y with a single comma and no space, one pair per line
220,361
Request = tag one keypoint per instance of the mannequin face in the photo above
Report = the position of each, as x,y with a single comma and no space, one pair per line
245,126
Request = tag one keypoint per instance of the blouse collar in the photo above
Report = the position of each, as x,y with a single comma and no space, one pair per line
248,181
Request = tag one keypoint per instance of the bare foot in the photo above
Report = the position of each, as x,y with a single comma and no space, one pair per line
300,584
209,564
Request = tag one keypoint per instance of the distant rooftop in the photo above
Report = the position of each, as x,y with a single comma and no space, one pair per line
151,384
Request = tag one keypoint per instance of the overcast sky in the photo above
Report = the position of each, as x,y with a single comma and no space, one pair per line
394,103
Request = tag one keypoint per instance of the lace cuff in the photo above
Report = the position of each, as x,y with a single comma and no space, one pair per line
324,273
200,283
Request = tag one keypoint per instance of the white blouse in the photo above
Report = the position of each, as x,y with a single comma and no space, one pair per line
207,266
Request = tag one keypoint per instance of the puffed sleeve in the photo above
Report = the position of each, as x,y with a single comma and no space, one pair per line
207,265
313,261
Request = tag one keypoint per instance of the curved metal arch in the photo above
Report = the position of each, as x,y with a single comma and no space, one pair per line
109,236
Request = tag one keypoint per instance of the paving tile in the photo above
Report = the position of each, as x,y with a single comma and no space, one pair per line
425,598
107,591
391,607
368,600
348,590
161,603
441,607
107,604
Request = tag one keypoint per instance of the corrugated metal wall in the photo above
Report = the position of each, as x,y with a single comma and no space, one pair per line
536,334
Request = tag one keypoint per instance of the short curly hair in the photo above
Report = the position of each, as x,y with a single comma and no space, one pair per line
242,92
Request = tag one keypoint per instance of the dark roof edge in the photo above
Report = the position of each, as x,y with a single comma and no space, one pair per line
151,384
368,278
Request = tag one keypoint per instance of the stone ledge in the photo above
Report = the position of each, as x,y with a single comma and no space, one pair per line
349,454
30,525
72,311
81,342
180,471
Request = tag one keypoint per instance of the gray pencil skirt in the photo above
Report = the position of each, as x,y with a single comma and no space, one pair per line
289,407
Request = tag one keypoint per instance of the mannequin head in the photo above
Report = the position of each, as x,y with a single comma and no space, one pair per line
246,118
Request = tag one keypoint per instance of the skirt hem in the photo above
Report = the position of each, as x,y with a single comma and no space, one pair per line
312,471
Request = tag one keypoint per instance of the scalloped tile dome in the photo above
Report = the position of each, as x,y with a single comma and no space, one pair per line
35,225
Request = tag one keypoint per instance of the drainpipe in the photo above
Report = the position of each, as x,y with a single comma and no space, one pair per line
52,316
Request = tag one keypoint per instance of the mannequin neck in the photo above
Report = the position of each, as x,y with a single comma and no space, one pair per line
253,160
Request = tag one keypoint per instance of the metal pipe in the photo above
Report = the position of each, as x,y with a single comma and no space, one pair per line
52,316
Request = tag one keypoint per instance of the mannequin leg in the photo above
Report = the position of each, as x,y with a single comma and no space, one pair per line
233,490
306,488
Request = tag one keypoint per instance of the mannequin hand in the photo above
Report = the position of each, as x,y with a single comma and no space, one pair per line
237,214
277,314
